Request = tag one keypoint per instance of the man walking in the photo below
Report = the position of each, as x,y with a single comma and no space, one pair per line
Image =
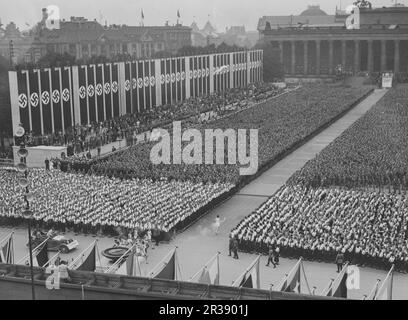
235,248
231,245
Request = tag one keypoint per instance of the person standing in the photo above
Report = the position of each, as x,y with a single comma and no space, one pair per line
277,254
339,261
230,245
235,248
47,164
271,256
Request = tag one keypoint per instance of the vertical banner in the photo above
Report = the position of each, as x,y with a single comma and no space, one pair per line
135,97
75,95
24,100
66,97
211,75
178,80
107,90
122,88
56,99
99,90
14,100
115,90
187,77
163,81
140,86
146,84
204,74
195,76
152,87
46,101
91,94
35,102
173,80
183,79
231,70
128,88
191,76
168,81
83,95
158,84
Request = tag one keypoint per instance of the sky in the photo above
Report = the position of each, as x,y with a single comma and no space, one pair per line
221,13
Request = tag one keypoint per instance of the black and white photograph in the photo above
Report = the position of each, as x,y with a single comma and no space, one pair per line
204,154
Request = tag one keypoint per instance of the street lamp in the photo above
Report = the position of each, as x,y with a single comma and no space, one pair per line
28,196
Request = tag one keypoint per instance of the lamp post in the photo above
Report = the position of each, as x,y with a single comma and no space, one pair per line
28,197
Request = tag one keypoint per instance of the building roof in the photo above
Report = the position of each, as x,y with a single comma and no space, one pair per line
293,21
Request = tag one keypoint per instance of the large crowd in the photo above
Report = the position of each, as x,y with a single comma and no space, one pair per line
282,122
371,154
369,228
91,203
81,138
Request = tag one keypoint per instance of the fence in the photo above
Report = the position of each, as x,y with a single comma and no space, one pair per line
53,99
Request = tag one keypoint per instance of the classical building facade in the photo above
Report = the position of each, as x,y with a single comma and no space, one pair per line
82,38
314,43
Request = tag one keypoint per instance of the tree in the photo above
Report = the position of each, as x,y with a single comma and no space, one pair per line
272,66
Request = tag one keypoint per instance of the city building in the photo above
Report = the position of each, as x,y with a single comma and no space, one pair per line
314,43
83,38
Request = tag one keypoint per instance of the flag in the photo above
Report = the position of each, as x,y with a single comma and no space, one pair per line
251,278
89,263
291,282
41,256
142,14
339,287
178,13
7,251
53,260
168,270
131,267
211,273
385,291
374,291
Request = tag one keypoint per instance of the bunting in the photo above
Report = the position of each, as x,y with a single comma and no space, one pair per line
385,291
251,277
7,250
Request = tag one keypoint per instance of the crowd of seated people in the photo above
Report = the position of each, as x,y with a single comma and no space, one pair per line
369,228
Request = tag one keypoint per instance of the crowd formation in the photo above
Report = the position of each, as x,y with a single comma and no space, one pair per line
81,138
371,154
369,228
91,203
282,122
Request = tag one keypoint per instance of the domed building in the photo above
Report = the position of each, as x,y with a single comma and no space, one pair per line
313,11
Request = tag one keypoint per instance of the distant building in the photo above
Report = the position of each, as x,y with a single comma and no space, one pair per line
205,36
82,38
314,43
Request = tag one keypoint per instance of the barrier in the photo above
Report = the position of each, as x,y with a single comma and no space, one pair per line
15,284
54,99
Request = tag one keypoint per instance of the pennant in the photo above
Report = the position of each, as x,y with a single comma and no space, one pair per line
168,270
251,278
7,251
291,282
385,291
178,13
41,256
210,274
89,263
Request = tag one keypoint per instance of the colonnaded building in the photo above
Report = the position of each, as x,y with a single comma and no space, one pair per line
314,43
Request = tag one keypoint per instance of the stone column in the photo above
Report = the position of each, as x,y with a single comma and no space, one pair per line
396,55
344,53
305,57
370,60
356,56
318,50
383,55
293,62
281,51
330,56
